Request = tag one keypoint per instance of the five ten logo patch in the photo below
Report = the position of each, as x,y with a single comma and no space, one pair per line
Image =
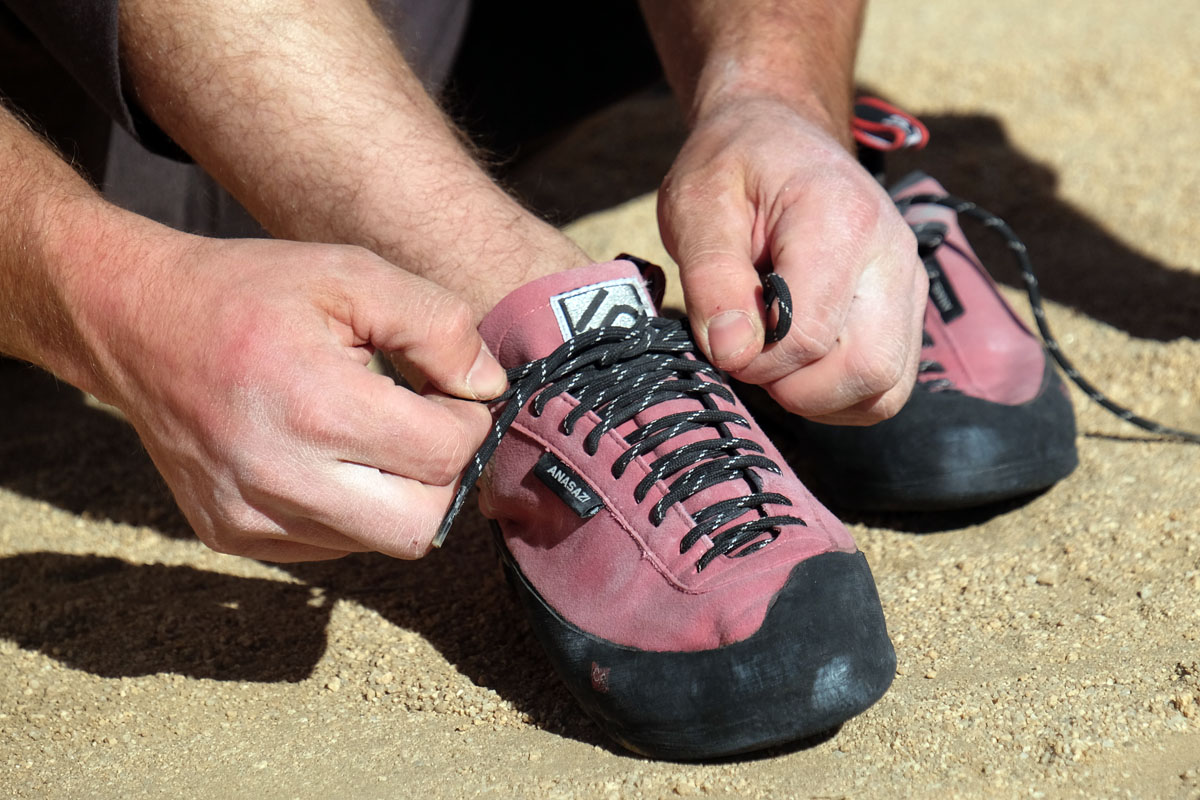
611,303
568,485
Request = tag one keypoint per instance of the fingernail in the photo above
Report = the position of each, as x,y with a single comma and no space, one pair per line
487,378
729,333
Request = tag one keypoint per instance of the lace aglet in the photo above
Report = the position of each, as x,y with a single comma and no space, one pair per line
460,496
441,534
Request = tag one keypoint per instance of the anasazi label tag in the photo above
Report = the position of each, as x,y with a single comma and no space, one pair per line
615,303
941,291
568,485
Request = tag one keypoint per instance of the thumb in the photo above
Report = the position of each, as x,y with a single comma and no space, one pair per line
432,331
721,288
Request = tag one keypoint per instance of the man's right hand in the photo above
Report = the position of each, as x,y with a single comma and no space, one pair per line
242,364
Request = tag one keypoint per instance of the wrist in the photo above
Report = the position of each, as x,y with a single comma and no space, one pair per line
97,258
52,232
821,100
800,55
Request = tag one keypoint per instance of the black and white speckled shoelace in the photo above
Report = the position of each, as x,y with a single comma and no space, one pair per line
930,237
1021,254
616,373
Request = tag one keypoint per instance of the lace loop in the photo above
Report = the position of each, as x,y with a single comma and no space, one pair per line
776,289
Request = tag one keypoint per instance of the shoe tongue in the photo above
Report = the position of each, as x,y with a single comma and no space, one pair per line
533,321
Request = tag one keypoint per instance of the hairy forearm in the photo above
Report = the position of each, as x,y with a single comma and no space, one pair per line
801,52
308,113
59,239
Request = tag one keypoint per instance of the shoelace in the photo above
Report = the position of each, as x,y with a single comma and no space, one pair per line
930,367
1021,254
929,239
880,128
617,373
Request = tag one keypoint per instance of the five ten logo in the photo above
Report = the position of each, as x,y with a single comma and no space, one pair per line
611,303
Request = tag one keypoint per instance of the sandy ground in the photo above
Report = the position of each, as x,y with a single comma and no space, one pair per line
1050,648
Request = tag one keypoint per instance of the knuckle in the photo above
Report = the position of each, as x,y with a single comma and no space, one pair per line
237,521
335,268
874,410
223,544
898,244
311,418
356,257
904,242
815,339
446,454
266,484
878,375
448,462
443,467
863,211
789,403
433,314
454,317
475,427
888,406
228,533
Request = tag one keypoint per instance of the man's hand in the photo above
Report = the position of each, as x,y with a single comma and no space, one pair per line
766,181
242,365
759,185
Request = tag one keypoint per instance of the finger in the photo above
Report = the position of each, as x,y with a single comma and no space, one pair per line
368,419
433,330
823,262
339,507
379,511
888,404
877,408
876,354
285,552
708,233
299,541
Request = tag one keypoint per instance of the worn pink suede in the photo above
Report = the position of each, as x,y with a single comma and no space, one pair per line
991,355
615,575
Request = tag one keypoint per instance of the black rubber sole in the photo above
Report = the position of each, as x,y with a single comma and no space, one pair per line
944,450
821,657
